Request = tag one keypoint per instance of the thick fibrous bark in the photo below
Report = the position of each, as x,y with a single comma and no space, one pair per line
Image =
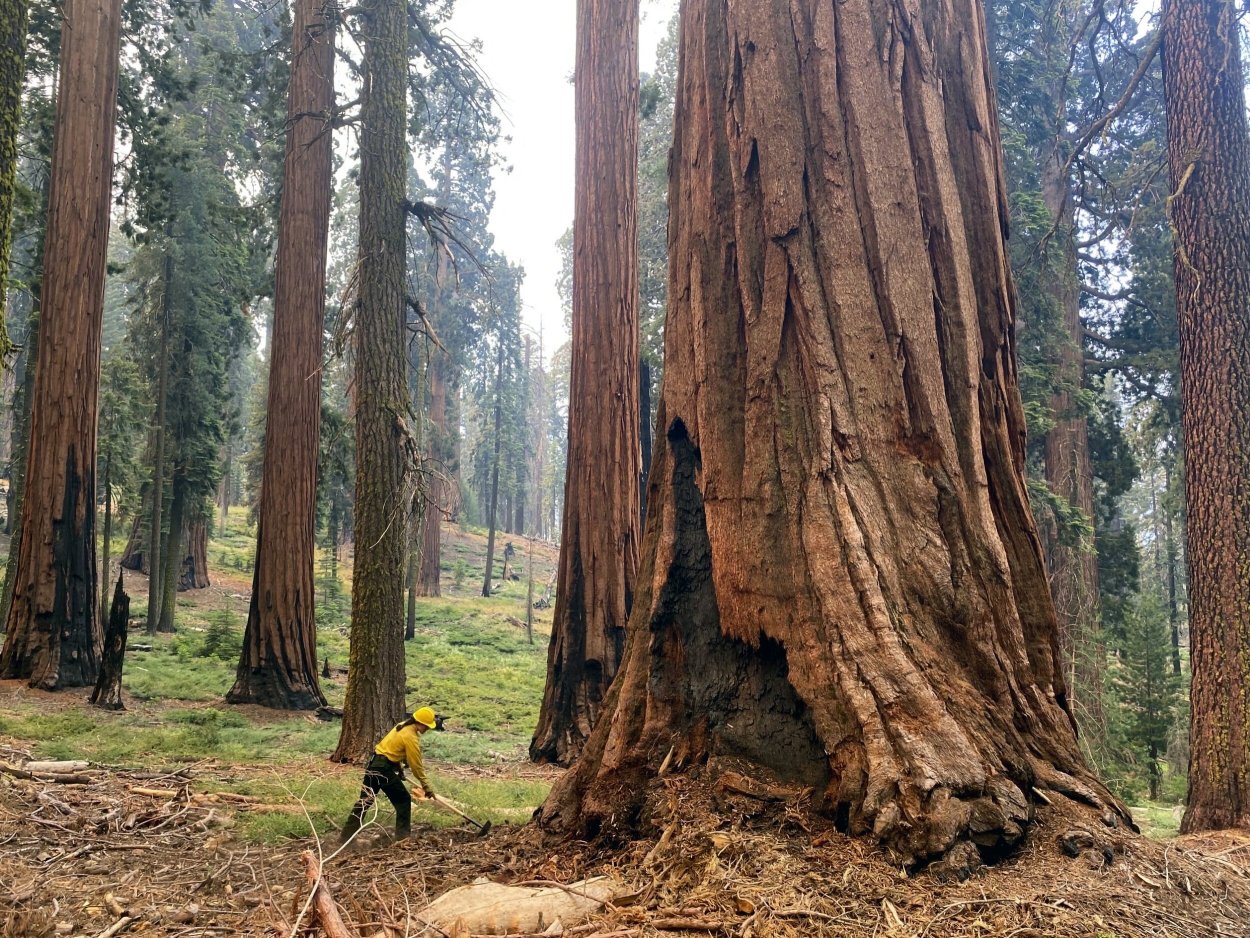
278,664
375,681
193,569
53,631
1209,153
842,581
599,546
1069,472
108,688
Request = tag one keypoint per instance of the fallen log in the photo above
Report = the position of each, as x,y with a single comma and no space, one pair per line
486,908
323,902
60,778
57,768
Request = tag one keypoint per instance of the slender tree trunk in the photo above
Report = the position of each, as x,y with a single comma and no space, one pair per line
1174,612
17,474
842,582
599,547
644,426
278,663
1069,472
227,484
54,635
155,555
173,556
375,679
13,24
438,497
106,561
494,477
1209,154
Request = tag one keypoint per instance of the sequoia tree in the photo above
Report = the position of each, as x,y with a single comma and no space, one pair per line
13,20
54,637
842,583
278,664
599,546
375,679
1209,156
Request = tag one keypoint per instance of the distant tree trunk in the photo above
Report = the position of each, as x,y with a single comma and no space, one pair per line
414,565
174,555
106,561
494,477
644,427
193,570
278,664
226,480
438,497
135,555
599,546
13,23
155,555
1069,472
1209,155
54,637
375,679
108,688
1174,612
842,582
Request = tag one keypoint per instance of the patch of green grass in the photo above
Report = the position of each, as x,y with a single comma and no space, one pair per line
1158,821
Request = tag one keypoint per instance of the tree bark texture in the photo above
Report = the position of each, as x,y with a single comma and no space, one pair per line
17,473
599,545
54,635
108,688
106,544
156,535
439,497
13,25
1069,472
172,557
1209,155
278,664
375,682
193,564
135,555
842,581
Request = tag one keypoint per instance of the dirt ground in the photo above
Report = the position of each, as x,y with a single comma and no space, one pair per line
144,852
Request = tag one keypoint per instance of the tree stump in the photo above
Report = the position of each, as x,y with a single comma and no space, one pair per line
108,688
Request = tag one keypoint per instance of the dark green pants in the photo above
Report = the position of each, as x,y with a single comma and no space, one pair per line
382,775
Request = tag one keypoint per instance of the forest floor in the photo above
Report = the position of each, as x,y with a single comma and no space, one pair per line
193,816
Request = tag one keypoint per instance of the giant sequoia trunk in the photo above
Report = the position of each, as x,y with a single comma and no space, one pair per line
278,664
1209,153
375,681
842,582
599,546
193,569
54,637
1073,565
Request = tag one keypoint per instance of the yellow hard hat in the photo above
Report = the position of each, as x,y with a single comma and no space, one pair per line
425,716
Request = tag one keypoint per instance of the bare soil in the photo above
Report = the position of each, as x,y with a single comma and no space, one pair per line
78,859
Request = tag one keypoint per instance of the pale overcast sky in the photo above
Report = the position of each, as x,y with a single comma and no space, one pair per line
528,55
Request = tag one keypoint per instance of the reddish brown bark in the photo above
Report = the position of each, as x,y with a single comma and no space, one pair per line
1209,155
599,546
278,664
135,555
54,635
842,582
193,569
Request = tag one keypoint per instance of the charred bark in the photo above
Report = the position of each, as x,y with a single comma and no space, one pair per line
135,555
599,546
108,688
842,582
53,637
1209,156
375,679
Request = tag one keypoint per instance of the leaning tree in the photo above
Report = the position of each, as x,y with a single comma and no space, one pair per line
841,583
1209,155
54,637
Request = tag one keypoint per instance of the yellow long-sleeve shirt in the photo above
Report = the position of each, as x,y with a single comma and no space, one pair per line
403,744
